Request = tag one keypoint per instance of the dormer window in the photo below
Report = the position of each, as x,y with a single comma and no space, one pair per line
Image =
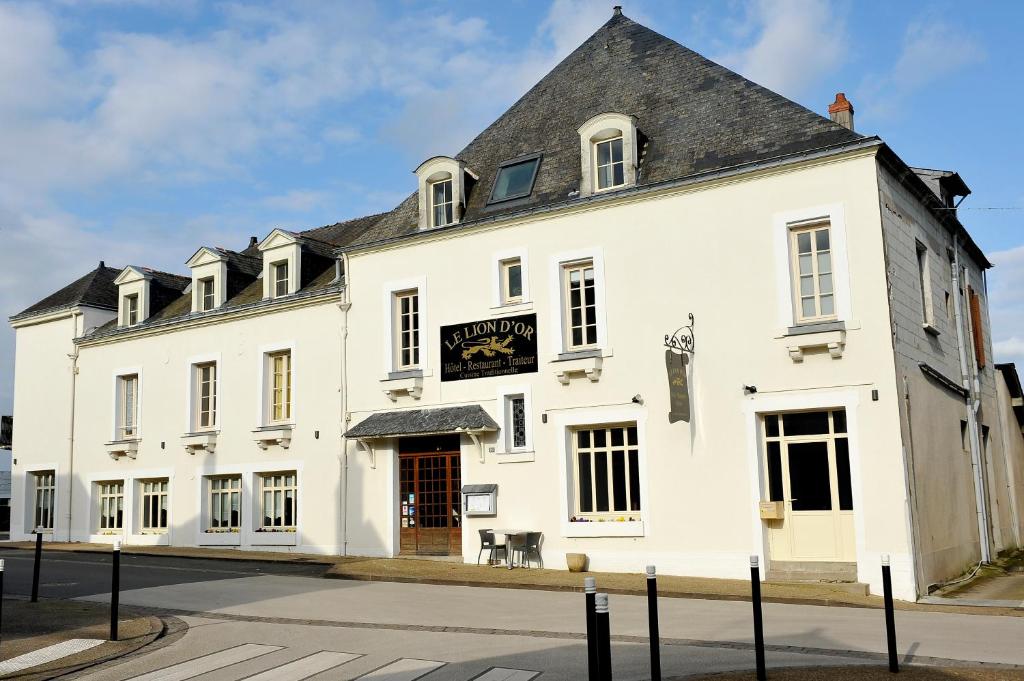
280,278
515,179
443,185
608,153
131,309
206,293
441,203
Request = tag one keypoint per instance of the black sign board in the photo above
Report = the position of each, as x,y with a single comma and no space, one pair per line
490,347
678,387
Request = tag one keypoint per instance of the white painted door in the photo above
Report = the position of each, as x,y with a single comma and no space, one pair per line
807,466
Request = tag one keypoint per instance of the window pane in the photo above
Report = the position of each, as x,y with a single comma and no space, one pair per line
807,306
827,305
824,263
821,239
514,180
617,435
600,438
618,176
634,480
631,435
805,264
604,151
803,242
807,286
775,491
601,481
824,284
805,423
515,281
843,474
839,421
771,425
583,439
619,480
809,482
586,503
616,150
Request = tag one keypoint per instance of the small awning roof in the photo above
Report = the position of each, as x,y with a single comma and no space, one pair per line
423,422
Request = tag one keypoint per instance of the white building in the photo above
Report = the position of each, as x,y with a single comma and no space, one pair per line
660,313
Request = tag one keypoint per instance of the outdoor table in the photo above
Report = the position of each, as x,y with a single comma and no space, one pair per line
508,536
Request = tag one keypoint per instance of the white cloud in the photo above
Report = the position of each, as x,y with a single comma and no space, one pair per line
1006,304
296,200
796,43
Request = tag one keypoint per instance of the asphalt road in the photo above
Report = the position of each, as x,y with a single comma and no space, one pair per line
63,574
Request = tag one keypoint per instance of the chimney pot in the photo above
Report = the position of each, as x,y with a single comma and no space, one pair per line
617,10
841,111
253,241
102,264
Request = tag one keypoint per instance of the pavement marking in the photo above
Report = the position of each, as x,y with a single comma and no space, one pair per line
305,667
208,663
503,674
405,669
48,654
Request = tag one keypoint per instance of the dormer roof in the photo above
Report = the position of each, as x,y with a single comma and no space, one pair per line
238,262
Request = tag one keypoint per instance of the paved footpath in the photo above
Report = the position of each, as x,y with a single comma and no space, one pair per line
459,633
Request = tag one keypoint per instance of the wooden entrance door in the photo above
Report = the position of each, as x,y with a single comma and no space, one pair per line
430,503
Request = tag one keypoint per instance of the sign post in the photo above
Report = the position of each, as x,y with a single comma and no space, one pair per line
115,588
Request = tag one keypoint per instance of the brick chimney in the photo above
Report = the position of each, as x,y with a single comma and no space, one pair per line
841,111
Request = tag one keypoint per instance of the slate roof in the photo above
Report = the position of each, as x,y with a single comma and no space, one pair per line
95,289
6,431
423,422
694,114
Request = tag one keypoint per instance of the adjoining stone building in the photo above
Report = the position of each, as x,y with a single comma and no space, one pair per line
655,312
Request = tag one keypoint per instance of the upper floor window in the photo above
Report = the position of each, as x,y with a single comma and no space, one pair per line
280,270
811,255
924,278
610,169
511,281
206,396
407,329
206,300
128,412
441,206
280,386
580,305
131,309
515,179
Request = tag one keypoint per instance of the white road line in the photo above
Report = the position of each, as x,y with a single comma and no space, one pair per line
208,663
47,654
405,669
502,674
304,667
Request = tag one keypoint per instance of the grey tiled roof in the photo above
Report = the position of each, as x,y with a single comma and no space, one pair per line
695,115
423,422
95,289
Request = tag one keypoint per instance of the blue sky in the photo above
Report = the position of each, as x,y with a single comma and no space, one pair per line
134,131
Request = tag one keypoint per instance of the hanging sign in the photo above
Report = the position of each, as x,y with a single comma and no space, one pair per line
490,347
678,390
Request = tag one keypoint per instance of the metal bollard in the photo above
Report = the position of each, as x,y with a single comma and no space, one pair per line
890,616
604,637
115,588
652,621
755,598
1,599
590,591
35,568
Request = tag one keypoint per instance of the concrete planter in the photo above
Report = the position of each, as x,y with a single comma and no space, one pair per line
576,562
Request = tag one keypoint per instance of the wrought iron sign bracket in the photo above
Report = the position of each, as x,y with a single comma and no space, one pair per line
681,340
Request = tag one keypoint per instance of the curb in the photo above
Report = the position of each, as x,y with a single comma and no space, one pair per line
135,551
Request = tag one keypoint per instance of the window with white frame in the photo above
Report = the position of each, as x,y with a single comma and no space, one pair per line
225,502
606,472
515,423
511,273
279,407
811,265
441,205
206,294
609,167
278,501
924,279
154,504
406,332
128,407
131,309
205,406
111,504
44,496
280,271
579,299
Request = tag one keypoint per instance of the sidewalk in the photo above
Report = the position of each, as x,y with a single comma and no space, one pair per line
414,571
30,627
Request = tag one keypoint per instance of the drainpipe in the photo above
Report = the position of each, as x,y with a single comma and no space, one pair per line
973,403
73,356
343,306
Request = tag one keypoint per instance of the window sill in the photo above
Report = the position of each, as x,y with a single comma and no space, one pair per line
929,329
219,539
150,539
400,383
511,308
274,538
199,442
514,457
280,434
585,362
611,528
832,339
122,448
816,327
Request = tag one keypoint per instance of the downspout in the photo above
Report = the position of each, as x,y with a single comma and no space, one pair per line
73,356
973,403
343,305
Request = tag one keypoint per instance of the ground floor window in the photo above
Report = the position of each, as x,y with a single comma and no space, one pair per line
226,503
606,470
44,497
278,501
111,498
154,504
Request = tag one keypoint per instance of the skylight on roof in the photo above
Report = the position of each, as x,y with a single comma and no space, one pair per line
515,179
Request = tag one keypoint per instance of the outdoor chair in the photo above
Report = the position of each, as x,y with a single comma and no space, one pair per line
530,548
490,544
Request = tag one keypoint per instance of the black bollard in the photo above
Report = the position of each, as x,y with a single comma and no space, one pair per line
755,598
890,616
35,568
590,591
652,623
1,599
604,637
115,588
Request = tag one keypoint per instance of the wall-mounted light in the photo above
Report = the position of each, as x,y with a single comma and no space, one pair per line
163,445
638,399
749,389
316,434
